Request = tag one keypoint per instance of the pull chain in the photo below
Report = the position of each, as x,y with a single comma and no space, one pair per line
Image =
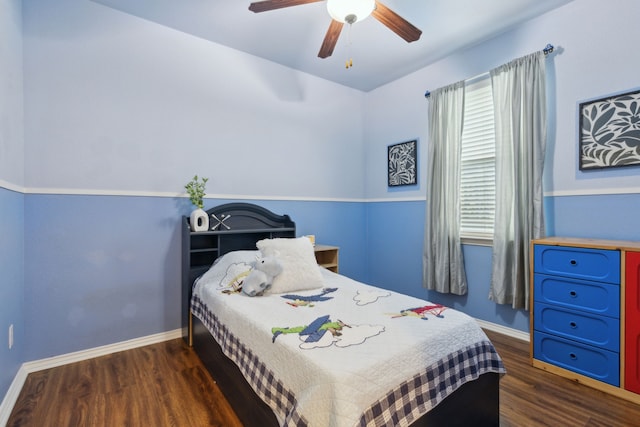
349,62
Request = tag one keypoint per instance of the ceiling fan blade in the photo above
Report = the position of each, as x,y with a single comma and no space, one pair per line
263,6
330,39
396,23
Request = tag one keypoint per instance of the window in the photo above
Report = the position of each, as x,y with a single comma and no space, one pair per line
477,172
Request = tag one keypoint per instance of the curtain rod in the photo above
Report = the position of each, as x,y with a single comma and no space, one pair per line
547,50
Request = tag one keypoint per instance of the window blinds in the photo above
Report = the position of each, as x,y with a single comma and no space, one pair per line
477,176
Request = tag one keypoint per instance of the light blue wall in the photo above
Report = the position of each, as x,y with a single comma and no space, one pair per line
100,270
11,198
598,217
593,58
11,285
104,269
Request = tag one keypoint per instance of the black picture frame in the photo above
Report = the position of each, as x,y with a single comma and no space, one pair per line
402,163
609,133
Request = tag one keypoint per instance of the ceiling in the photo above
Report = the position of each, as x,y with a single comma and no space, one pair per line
292,36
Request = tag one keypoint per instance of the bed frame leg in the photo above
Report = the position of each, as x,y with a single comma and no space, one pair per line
190,339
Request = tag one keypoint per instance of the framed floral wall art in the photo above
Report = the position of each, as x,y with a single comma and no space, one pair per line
610,132
402,164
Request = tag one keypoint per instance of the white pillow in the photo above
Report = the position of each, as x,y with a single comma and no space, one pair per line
300,270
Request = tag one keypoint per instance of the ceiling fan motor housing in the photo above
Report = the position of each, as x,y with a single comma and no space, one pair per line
350,11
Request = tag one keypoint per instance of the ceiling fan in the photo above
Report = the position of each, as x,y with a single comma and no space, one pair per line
347,12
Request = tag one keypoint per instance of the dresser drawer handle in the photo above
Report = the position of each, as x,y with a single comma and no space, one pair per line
573,262
573,294
573,356
573,325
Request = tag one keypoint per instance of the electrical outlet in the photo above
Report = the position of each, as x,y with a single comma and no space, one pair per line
10,336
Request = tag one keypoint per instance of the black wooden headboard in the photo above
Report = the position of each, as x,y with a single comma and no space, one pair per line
232,227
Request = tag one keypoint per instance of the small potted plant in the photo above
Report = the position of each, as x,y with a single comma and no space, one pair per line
199,220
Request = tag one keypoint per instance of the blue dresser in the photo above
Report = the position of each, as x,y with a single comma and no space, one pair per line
576,314
585,312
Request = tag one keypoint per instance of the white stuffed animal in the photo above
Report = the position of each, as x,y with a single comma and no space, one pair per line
262,275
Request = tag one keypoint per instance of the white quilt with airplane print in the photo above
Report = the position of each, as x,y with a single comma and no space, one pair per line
348,354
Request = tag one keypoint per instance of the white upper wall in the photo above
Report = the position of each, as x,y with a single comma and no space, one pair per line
596,56
11,101
114,103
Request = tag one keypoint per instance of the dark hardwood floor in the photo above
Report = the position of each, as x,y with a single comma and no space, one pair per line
166,385
158,385
533,397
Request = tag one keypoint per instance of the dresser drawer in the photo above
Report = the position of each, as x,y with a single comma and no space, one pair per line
582,263
632,322
601,331
593,297
596,363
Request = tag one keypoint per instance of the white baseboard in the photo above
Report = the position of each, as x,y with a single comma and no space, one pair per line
11,397
514,333
52,362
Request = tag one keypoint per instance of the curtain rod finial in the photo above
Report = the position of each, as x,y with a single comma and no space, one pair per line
427,94
548,49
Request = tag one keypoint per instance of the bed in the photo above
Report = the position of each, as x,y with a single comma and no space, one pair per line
331,353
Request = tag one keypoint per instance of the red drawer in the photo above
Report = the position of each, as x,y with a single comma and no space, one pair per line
632,322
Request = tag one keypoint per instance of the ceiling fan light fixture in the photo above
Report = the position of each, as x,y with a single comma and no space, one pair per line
350,11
